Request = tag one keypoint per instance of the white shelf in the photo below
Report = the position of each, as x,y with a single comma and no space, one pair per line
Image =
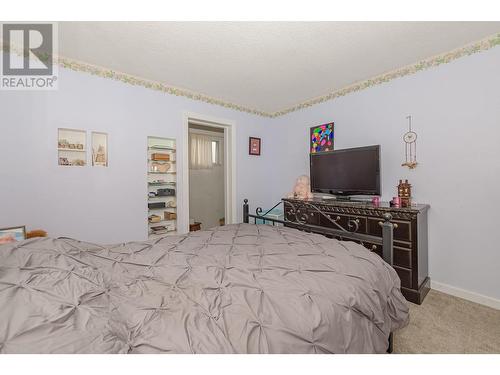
167,233
158,148
166,146
161,183
162,221
70,150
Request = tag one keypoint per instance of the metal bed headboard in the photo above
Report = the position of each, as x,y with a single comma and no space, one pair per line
298,214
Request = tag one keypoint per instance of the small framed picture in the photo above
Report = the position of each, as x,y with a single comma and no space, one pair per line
14,234
254,146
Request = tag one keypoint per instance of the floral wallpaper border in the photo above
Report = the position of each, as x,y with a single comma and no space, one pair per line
482,45
137,81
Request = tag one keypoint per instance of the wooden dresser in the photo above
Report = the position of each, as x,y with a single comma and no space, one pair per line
410,235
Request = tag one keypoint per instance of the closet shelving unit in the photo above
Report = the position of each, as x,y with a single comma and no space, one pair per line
162,180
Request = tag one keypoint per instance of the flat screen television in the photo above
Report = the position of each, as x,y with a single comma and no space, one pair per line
352,171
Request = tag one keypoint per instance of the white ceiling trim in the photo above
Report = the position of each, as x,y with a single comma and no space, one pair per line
472,48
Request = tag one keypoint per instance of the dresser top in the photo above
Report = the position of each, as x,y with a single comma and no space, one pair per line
382,206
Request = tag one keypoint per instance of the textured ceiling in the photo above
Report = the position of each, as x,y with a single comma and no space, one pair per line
267,66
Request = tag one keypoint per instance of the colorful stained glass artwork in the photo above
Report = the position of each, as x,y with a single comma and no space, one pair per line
322,138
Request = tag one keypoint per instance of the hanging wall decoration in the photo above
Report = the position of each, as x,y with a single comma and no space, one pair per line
322,138
410,139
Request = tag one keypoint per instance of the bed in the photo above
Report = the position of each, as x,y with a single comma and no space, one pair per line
241,288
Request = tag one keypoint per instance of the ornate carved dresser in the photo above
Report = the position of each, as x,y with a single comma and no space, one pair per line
410,258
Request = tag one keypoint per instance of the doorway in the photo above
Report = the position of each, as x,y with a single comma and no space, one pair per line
209,189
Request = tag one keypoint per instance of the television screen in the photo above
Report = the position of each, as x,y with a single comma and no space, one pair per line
353,171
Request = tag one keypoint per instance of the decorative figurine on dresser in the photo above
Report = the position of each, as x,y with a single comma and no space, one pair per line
404,193
302,188
410,259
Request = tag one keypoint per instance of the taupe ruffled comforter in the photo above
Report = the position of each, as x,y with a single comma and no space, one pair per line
234,289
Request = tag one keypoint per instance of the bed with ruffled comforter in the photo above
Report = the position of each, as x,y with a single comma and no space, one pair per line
241,288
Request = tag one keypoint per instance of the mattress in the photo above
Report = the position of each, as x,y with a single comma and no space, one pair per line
240,288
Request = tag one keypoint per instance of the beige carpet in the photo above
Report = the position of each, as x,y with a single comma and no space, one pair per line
447,324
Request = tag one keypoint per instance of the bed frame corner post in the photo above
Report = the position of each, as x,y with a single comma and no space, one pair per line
387,238
387,254
245,211
390,347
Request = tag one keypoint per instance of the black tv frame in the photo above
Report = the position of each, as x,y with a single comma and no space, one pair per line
347,192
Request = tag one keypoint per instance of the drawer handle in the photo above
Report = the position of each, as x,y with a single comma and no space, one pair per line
374,247
381,223
330,217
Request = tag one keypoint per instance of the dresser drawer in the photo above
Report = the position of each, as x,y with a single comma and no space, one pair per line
401,257
357,224
313,217
377,249
401,232
403,244
302,216
405,276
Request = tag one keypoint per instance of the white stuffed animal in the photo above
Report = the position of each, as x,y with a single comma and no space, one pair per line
302,188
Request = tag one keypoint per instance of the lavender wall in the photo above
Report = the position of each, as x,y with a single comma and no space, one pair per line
103,204
456,112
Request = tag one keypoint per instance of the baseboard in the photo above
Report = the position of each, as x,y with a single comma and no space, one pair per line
465,294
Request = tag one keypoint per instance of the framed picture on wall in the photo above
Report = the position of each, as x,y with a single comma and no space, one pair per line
13,234
321,138
254,146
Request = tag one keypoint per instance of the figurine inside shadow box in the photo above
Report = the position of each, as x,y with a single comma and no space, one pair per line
64,161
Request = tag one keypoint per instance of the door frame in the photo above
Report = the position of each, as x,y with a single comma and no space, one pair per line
229,165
